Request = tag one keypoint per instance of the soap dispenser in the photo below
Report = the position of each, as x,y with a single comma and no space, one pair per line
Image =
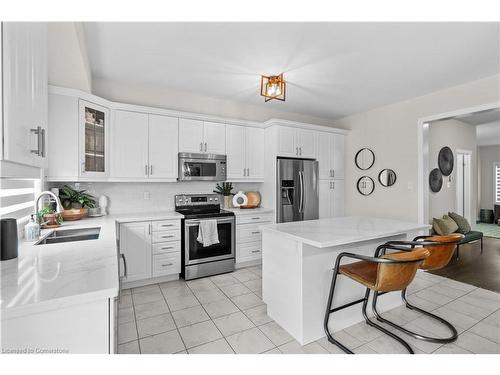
32,229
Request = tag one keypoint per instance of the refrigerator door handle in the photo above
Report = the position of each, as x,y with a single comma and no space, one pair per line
301,181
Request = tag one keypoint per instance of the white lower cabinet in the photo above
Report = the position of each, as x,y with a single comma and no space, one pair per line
331,198
151,249
249,237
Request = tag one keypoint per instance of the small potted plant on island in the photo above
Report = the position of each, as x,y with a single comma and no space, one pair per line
226,190
75,203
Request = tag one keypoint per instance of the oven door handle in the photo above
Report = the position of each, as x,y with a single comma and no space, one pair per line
193,222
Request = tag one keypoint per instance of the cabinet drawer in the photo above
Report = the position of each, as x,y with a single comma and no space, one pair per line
166,225
166,264
167,247
166,236
248,233
247,219
249,250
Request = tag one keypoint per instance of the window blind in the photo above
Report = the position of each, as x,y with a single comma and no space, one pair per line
17,197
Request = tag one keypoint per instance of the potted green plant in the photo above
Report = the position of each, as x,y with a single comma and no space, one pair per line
225,189
48,218
75,202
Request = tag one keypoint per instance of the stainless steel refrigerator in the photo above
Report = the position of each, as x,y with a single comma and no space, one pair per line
297,196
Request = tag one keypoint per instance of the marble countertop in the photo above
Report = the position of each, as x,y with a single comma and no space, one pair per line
343,230
44,277
250,211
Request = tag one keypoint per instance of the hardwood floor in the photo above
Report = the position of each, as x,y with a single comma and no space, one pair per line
473,268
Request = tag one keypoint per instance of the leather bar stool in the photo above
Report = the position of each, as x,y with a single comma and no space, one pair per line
441,249
391,272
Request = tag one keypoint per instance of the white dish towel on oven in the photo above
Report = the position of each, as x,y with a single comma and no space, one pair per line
207,233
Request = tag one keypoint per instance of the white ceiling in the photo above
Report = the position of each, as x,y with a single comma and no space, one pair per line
487,125
332,69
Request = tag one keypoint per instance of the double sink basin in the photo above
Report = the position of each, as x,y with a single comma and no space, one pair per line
70,235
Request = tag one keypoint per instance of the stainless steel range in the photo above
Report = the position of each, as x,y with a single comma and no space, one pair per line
199,260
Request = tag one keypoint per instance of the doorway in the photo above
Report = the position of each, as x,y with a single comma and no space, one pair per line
464,184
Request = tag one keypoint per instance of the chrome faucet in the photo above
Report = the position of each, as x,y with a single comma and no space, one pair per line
59,207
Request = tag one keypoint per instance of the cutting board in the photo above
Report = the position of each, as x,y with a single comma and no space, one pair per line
253,199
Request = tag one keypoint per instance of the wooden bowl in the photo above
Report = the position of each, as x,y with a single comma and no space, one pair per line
74,214
253,198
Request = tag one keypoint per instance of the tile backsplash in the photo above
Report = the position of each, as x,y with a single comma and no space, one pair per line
129,197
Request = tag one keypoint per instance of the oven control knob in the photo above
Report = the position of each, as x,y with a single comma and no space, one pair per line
210,199
216,199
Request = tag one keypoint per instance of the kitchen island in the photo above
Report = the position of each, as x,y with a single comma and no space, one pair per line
297,263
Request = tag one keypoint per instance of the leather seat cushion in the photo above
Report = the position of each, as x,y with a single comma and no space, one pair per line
363,272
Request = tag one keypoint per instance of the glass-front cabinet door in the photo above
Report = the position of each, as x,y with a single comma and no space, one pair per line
94,140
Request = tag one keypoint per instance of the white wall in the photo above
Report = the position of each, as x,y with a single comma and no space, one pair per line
128,92
128,197
67,53
487,155
456,135
391,132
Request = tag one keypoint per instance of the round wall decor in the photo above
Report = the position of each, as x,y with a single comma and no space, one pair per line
366,185
445,161
435,180
364,159
387,177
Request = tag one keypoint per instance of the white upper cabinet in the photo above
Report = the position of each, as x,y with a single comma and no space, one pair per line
144,146
235,151
287,142
214,135
245,153
163,147
130,145
93,140
190,135
201,136
25,92
331,198
254,149
295,142
306,143
330,155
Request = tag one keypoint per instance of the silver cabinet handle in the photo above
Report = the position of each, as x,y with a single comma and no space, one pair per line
201,146
167,236
146,169
167,225
167,264
333,184
255,232
39,135
149,229
42,151
297,151
333,172
244,171
255,251
248,171
255,218
205,146
300,149
124,265
151,170
330,173
167,247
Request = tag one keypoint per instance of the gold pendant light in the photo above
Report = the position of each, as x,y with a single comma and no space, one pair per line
273,87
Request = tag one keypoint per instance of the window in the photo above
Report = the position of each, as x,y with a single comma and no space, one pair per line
496,178
17,197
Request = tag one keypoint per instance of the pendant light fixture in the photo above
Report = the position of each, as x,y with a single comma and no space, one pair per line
273,87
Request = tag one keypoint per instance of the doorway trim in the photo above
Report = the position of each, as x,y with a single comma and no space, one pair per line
423,153
471,216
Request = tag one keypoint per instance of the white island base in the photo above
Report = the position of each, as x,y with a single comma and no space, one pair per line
297,264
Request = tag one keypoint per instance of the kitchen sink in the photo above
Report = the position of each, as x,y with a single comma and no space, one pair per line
70,235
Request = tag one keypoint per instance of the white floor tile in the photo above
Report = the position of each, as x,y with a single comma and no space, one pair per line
434,297
146,288
164,343
254,285
126,315
147,296
233,323
387,345
273,351
451,349
363,332
224,280
344,338
244,275
191,315
215,347
147,310
293,347
477,344
235,290
155,325
457,319
125,301
247,301
251,341
464,307
199,333
364,349
220,308
275,333
208,296
258,315
201,285
182,302
131,347
127,332
488,330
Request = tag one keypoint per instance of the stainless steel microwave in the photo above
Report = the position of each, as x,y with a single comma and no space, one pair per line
201,167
